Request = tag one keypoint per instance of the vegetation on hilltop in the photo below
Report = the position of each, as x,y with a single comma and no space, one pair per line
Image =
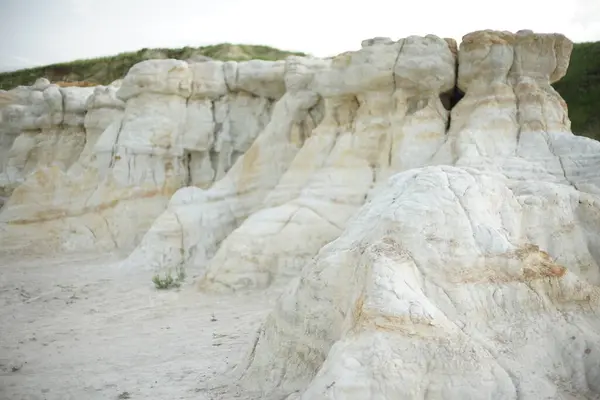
580,87
104,70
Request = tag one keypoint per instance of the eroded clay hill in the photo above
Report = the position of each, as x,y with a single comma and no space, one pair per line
428,252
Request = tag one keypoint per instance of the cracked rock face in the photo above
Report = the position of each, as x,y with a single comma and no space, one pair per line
437,289
473,276
382,115
41,126
168,124
427,252
197,220
528,137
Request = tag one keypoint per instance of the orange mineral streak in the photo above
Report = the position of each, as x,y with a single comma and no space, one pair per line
57,214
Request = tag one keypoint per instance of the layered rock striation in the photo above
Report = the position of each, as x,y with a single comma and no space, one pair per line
476,275
383,114
168,124
40,126
197,221
435,220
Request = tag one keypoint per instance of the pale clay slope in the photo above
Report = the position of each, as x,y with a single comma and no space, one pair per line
504,218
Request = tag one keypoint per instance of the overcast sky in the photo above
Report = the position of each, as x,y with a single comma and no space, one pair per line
40,32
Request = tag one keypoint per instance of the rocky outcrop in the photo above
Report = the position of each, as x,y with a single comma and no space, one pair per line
179,124
40,126
52,187
50,191
473,279
437,287
435,220
529,136
383,115
196,221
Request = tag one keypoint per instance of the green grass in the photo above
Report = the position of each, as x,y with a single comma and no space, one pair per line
168,281
105,70
580,87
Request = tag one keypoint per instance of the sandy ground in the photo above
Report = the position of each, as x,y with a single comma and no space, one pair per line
79,327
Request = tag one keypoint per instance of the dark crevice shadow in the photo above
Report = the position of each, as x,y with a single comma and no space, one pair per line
451,98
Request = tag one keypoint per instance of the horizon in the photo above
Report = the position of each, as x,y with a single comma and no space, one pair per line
36,33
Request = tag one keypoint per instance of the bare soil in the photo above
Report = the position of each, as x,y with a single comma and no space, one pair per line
81,327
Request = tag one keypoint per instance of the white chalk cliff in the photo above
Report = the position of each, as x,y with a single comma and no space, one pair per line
428,253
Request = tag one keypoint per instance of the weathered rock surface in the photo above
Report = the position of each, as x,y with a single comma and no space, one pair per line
197,220
40,126
438,289
383,114
477,279
429,253
168,124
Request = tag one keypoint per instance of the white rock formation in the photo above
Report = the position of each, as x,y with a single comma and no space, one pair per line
431,254
438,290
50,191
479,279
40,126
182,124
527,135
383,114
528,138
197,220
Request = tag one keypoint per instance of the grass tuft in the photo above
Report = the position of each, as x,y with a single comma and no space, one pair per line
168,281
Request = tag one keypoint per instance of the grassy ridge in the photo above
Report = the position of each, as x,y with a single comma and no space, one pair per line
580,87
105,70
